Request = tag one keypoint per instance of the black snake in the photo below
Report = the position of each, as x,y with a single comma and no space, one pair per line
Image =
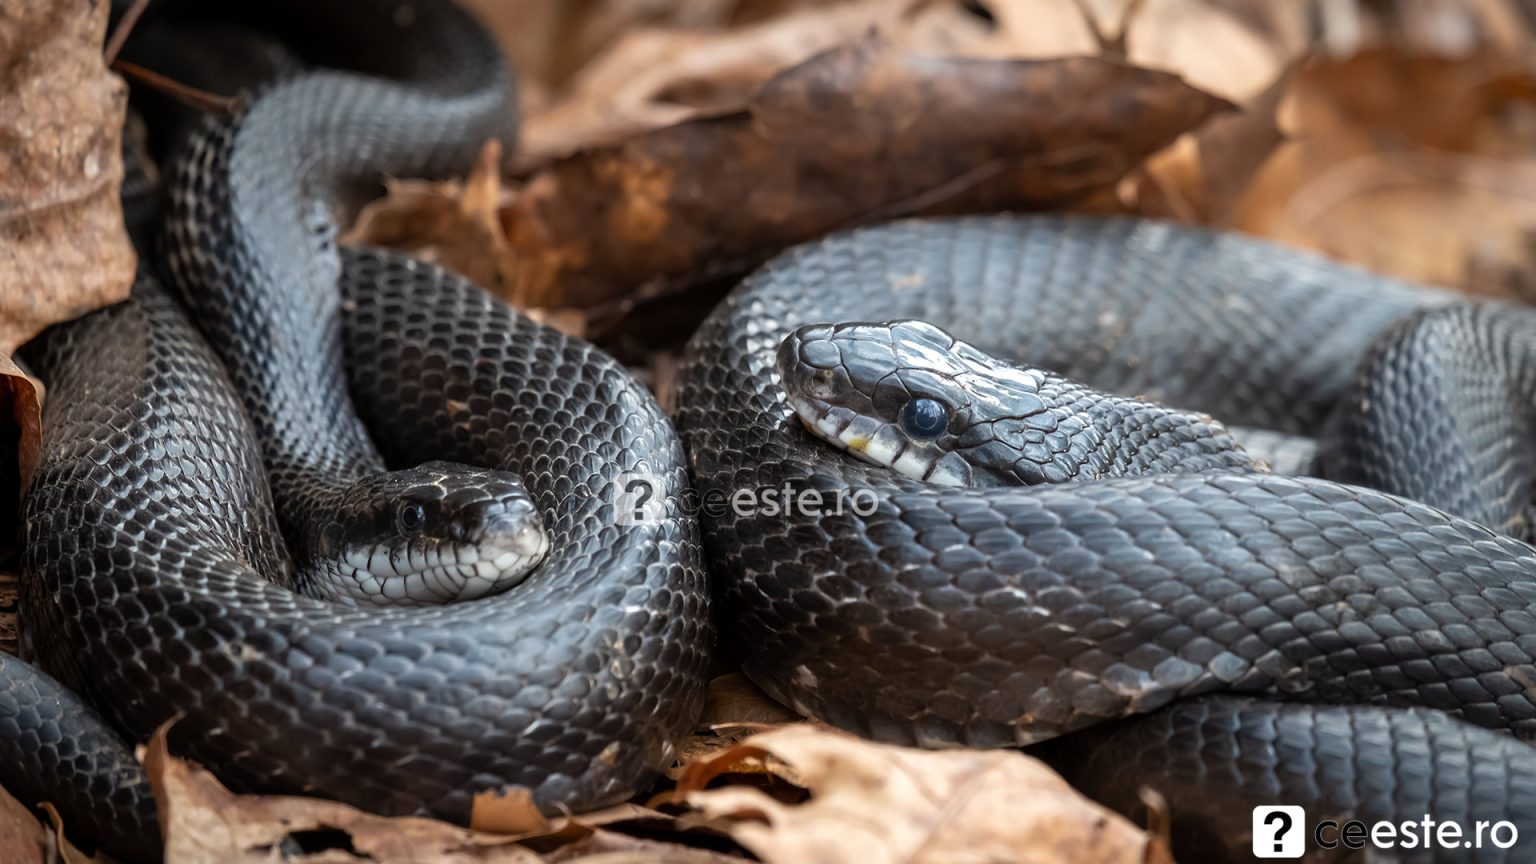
1000,615
155,563
989,617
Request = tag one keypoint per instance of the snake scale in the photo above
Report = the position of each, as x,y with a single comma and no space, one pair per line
155,559
1006,615
161,577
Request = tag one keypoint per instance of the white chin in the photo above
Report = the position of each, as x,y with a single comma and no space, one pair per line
466,575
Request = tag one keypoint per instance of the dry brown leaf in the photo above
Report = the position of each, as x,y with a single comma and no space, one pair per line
598,831
453,224
1203,175
1435,218
610,848
63,249
653,77
1413,166
21,407
734,710
10,633
69,853
21,398
204,822
734,699
23,839
878,803
859,134
507,811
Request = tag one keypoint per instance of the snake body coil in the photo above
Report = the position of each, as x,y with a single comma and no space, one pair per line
939,616
153,551
1003,616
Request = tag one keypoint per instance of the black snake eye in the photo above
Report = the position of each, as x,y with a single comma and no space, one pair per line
924,418
411,518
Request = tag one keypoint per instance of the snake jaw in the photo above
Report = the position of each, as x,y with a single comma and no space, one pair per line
437,533
432,573
879,443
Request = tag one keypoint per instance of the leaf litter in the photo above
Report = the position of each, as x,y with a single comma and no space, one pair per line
670,146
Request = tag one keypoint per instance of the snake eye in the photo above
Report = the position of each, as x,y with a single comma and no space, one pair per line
411,518
924,419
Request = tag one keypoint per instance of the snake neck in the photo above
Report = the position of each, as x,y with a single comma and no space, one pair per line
251,242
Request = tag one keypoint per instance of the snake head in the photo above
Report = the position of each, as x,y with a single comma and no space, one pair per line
886,393
436,533
911,397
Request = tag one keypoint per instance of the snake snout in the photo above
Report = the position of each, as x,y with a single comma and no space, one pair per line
504,527
493,534
436,533
884,392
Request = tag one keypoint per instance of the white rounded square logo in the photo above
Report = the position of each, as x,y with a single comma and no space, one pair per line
639,498
1279,832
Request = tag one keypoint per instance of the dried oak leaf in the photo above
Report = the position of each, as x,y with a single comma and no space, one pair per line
611,830
879,803
610,848
23,839
1201,177
204,822
858,134
734,710
1415,166
63,249
10,589
21,413
453,224
654,77
68,853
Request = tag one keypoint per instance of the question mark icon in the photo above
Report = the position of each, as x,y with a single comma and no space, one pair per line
1272,834
1284,819
637,490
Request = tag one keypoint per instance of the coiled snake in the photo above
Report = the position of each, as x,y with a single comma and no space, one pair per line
996,616
1000,615
155,561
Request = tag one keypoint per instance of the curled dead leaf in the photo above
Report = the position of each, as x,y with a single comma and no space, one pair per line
1201,177
507,811
10,589
23,839
202,821
68,853
21,435
452,224
734,710
651,77
21,406
878,803
63,248
1415,166
654,77
859,134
